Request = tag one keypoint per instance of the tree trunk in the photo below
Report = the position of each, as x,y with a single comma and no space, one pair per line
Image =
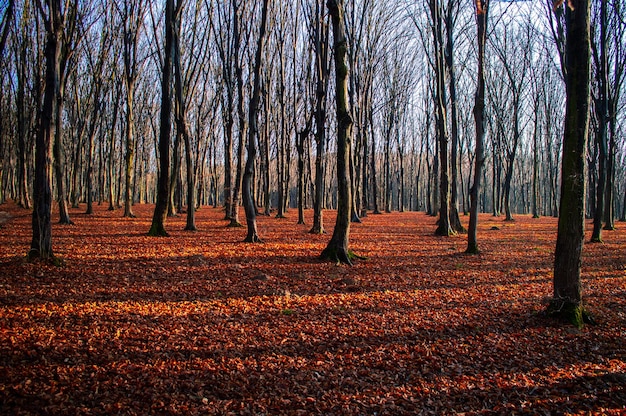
567,301
337,249
253,109
22,132
321,40
602,112
111,164
234,217
41,244
482,13
163,182
59,160
444,228
455,221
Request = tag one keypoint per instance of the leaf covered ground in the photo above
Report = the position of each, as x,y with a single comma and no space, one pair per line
201,323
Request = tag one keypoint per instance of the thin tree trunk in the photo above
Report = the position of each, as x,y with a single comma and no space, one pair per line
59,160
234,218
455,221
253,109
482,13
602,111
321,64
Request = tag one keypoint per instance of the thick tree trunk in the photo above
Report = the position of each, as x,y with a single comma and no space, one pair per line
337,249
163,182
41,243
567,300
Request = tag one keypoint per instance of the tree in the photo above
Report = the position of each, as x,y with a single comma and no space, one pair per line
320,39
131,15
450,17
163,186
337,249
253,109
444,228
69,41
5,26
41,244
602,114
567,297
482,13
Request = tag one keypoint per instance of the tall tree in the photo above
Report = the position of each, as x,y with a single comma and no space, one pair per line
131,15
97,70
69,41
5,26
441,129
41,244
337,249
567,296
253,109
241,116
451,13
602,115
320,39
163,186
482,13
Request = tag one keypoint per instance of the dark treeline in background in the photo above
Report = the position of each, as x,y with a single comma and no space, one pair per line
411,91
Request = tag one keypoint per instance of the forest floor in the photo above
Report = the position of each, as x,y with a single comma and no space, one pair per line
201,323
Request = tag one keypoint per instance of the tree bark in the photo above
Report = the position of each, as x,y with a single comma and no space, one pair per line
337,249
248,200
159,215
444,228
482,13
321,39
567,300
455,221
602,112
41,243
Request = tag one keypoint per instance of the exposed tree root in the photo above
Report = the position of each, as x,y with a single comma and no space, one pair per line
340,255
252,239
34,255
569,312
472,250
158,230
317,230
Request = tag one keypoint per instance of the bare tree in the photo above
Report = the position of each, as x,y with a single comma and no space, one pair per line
482,14
165,127
41,244
567,297
248,200
337,249
131,15
320,39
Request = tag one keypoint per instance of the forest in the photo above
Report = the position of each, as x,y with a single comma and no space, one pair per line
441,148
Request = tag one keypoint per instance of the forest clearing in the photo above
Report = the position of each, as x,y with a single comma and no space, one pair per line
202,323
